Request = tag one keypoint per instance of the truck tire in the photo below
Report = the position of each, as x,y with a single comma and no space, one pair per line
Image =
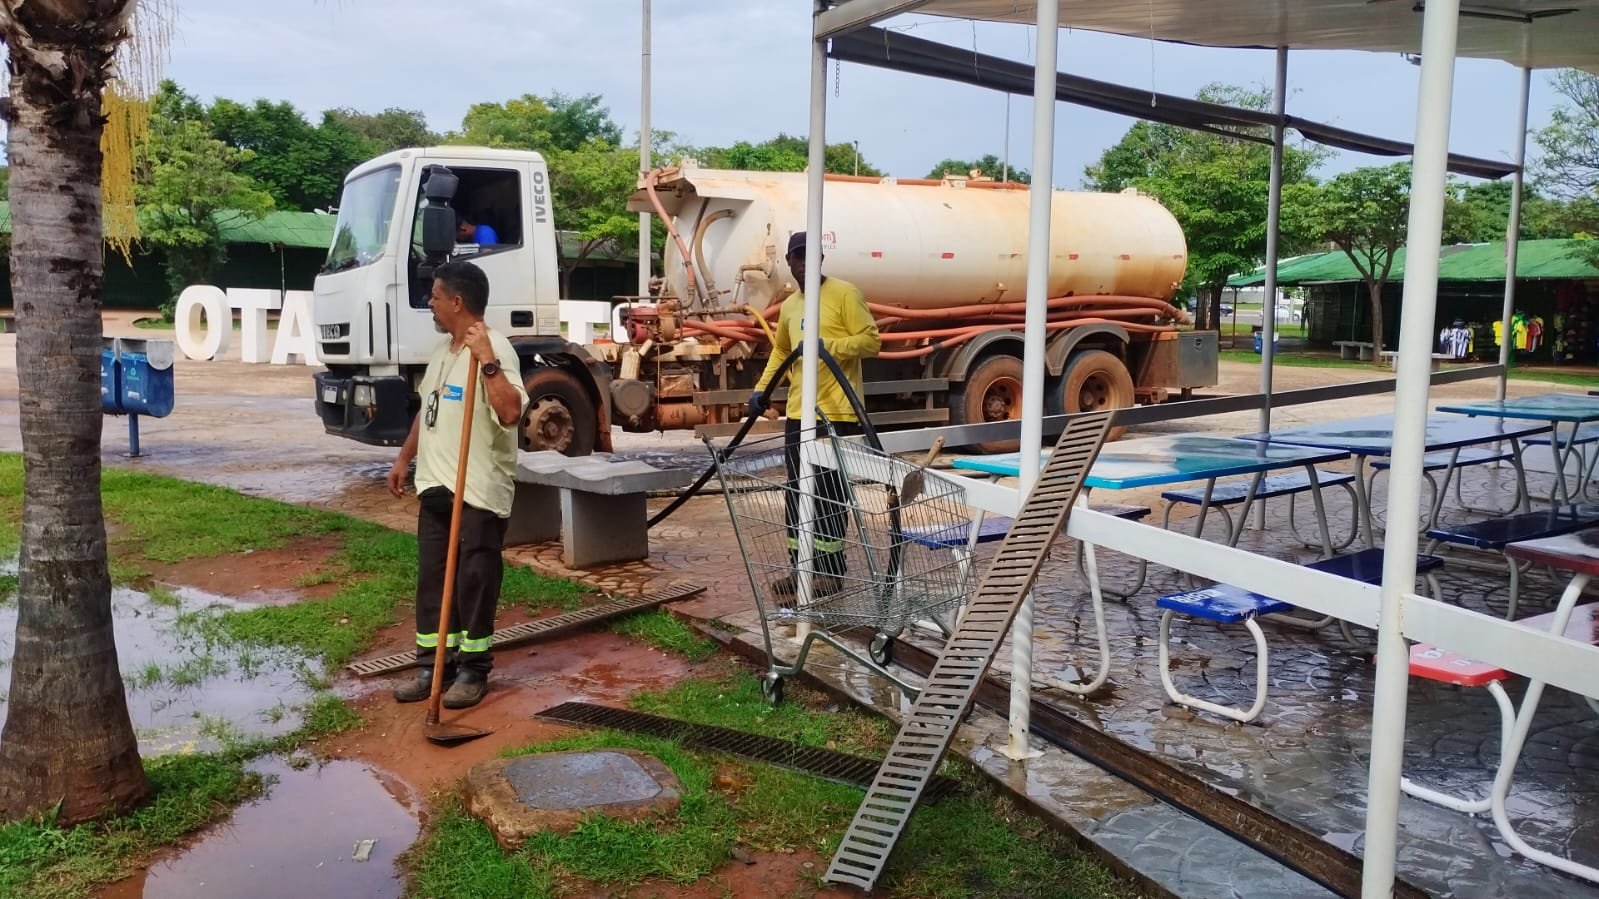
992,391
1093,380
560,415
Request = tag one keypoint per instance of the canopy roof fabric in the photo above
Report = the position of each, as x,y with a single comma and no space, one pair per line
894,50
1537,34
1547,259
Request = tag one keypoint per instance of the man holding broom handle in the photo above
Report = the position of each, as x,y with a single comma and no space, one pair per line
460,296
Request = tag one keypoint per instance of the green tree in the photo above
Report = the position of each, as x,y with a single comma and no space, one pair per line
787,153
1568,164
302,166
1216,186
1480,213
1366,214
386,131
590,186
190,186
990,166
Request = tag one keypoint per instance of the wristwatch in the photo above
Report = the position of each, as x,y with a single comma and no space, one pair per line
490,369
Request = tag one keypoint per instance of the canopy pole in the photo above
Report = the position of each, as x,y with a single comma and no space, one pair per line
1427,185
644,157
1513,234
1040,206
814,174
1274,212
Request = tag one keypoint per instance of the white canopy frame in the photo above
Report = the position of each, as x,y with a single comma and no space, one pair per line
1527,33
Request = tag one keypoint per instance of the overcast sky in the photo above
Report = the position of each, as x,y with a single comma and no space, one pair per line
728,70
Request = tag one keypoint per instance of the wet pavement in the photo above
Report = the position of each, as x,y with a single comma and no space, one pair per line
308,836
251,428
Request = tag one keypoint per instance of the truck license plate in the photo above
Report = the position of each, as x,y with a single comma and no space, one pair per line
330,395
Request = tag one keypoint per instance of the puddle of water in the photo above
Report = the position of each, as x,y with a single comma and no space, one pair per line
300,840
185,696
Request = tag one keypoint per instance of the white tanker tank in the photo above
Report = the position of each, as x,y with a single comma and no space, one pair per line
913,244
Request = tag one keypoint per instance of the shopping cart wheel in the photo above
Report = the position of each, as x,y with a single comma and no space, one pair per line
881,649
772,689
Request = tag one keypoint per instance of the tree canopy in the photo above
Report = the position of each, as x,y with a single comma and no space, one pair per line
989,166
386,131
786,153
1216,186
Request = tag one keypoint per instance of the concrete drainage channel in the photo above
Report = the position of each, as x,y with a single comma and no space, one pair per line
1318,861
1331,867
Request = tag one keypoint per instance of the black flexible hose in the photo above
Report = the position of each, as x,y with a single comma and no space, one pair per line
855,403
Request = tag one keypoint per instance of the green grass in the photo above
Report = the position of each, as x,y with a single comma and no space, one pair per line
1587,382
1301,360
665,631
971,844
734,701
8,588
40,860
43,861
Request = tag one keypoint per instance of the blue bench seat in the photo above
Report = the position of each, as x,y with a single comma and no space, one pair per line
1440,461
1226,604
1495,534
1586,433
1276,485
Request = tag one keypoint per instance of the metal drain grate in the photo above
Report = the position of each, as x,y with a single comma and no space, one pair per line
543,629
839,767
925,733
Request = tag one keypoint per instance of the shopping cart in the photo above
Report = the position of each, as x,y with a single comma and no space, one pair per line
882,559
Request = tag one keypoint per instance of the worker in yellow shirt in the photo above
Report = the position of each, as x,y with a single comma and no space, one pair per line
849,334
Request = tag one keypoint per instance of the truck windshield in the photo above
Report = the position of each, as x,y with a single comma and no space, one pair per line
365,212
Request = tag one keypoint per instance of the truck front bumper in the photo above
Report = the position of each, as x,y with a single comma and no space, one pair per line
371,410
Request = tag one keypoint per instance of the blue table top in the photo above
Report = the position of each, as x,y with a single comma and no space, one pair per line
1374,434
1172,459
1563,407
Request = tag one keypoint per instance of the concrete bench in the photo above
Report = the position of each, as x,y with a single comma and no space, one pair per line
1354,349
1495,534
1392,358
594,504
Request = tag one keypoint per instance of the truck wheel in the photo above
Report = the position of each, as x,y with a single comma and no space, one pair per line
1093,380
992,392
559,415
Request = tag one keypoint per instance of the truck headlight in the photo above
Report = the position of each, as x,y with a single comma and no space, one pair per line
364,395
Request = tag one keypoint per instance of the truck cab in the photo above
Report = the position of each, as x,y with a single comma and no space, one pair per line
374,329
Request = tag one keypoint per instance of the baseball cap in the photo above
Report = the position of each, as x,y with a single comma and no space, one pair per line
796,242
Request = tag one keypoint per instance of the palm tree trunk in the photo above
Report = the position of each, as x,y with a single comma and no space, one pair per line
67,736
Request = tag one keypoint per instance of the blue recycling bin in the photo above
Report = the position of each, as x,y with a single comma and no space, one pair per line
110,382
136,379
146,387
1276,342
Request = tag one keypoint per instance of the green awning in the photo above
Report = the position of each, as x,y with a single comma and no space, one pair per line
1547,259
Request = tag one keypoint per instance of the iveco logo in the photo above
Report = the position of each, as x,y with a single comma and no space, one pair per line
540,199
332,332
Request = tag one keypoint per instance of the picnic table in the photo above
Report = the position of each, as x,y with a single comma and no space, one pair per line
1181,458
1373,436
1564,413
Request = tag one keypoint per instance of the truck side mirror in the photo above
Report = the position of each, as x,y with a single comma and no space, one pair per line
438,230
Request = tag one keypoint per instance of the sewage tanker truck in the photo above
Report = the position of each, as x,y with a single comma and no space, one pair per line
942,264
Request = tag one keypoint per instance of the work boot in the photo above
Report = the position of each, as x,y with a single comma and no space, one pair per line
420,686
788,585
467,691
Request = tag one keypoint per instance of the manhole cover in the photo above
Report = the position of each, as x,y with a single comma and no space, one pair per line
580,780
556,791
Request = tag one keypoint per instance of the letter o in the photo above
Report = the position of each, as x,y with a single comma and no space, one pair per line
210,339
